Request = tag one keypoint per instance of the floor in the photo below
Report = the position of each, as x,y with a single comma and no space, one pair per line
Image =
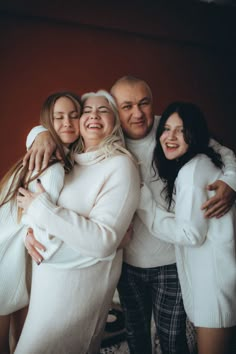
122,348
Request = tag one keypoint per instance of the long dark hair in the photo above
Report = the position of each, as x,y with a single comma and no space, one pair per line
196,135
18,175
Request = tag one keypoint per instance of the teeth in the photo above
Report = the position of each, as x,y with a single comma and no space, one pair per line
94,125
172,145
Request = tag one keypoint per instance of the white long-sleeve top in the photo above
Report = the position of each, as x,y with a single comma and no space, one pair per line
205,248
94,210
145,250
13,290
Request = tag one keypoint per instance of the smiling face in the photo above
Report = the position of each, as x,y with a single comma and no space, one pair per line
172,138
97,121
134,102
66,120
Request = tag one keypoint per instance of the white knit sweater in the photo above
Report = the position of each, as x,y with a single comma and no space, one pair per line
13,291
205,248
94,210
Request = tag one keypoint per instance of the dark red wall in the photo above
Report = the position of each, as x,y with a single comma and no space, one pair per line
183,52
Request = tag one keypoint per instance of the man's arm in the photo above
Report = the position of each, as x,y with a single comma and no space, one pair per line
222,201
40,147
225,188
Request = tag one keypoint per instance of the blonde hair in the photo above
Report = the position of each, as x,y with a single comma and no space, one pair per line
18,175
114,143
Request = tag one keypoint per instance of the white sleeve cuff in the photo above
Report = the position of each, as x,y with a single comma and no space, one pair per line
33,134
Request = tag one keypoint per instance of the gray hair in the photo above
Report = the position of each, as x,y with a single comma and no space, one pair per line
114,143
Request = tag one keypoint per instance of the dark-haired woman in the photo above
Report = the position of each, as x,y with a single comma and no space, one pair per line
205,248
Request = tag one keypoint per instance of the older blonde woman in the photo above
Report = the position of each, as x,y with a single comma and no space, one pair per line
70,300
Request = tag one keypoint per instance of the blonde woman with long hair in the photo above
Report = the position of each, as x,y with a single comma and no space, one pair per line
60,115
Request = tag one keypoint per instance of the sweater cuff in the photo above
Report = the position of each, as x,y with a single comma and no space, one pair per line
230,180
33,135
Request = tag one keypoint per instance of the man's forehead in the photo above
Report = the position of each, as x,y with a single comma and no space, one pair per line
126,92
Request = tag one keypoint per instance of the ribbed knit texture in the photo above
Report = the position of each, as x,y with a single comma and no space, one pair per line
102,195
13,292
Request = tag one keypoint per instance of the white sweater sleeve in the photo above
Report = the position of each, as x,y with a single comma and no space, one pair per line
99,234
33,134
52,180
182,228
229,160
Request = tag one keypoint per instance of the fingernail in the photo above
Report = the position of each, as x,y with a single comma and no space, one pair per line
38,180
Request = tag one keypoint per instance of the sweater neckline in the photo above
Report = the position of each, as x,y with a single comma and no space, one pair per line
89,158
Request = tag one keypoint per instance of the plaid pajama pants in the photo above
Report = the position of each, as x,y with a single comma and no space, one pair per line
147,291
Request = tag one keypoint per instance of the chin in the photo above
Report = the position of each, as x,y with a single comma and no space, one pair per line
67,143
171,157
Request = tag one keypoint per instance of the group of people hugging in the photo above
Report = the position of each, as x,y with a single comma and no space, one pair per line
110,196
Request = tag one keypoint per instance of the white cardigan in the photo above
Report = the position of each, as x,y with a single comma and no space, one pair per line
205,248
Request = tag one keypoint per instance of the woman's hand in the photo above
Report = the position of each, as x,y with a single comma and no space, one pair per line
222,201
32,245
25,197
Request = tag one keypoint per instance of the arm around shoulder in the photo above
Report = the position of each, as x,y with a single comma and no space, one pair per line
229,160
33,135
41,147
